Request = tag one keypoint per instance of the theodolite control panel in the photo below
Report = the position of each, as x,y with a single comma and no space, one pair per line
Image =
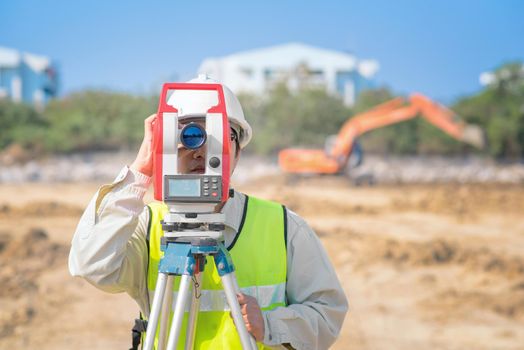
193,188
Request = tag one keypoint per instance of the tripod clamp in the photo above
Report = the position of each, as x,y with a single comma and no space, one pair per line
181,255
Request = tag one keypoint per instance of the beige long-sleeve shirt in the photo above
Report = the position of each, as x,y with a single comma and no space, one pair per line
109,250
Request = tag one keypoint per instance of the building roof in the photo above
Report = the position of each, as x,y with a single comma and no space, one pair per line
11,58
288,56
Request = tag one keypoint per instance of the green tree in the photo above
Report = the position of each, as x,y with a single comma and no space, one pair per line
96,120
20,123
282,118
287,118
499,109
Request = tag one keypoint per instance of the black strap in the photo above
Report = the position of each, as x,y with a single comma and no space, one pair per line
136,333
244,213
285,226
148,236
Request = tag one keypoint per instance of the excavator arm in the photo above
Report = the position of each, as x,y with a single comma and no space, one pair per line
446,120
388,113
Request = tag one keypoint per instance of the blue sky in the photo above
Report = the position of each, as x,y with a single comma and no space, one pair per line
435,47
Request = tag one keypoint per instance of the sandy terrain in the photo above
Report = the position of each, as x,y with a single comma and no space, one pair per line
424,267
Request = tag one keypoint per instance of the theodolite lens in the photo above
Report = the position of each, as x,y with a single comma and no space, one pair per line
193,136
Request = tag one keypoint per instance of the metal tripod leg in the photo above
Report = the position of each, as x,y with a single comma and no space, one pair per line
166,310
160,289
178,315
237,290
193,311
231,289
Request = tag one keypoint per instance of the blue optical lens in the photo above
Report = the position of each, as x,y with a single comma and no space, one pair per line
193,136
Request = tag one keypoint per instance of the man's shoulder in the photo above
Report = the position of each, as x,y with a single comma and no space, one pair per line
295,220
261,201
156,206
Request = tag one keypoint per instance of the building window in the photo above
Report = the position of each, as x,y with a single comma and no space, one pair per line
246,72
274,76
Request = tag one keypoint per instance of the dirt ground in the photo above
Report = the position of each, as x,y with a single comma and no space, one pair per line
424,267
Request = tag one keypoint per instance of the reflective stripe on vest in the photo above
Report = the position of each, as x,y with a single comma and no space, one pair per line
259,255
268,297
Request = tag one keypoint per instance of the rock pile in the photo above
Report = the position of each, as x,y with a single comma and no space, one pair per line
100,167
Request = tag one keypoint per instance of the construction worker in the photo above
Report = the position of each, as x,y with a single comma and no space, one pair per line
291,296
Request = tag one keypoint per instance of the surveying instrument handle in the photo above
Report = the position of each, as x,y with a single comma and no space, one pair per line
192,229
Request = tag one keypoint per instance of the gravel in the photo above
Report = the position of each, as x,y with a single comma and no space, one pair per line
100,167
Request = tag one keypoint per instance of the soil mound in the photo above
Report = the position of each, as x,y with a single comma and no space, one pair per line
22,259
40,208
466,201
441,251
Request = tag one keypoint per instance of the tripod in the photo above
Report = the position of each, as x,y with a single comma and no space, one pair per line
186,244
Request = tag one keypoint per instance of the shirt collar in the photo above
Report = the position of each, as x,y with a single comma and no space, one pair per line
233,210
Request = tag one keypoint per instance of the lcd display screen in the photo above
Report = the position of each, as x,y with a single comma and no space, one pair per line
183,187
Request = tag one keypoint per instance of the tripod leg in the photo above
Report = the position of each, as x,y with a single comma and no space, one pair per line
193,311
166,310
231,289
155,311
237,290
178,315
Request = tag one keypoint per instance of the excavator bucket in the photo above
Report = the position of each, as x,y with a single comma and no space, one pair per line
448,121
474,135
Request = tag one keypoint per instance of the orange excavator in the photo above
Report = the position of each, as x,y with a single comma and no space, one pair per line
335,158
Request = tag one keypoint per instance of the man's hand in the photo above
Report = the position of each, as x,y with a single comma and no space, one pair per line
252,316
144,160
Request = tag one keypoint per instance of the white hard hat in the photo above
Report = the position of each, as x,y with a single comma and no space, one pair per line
194,103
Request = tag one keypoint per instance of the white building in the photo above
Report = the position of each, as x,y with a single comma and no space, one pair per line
26,77
257,70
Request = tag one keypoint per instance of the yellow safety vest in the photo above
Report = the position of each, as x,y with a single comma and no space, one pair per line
259,256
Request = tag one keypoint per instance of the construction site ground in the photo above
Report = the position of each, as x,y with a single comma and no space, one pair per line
423,266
